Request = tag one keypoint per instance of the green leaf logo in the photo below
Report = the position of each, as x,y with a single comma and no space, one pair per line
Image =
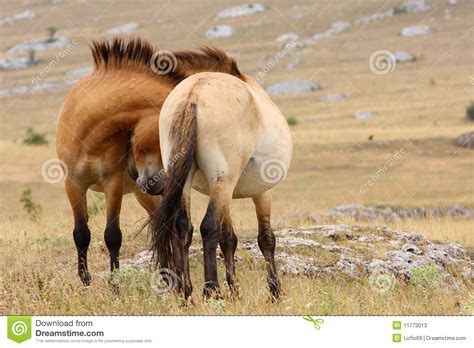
316,322
19,328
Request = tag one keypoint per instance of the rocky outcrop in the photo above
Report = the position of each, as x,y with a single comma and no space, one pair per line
381,255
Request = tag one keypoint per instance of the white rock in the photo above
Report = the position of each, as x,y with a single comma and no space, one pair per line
124,28
362,115
375,17
287,37
241,10
28,14
414,6
292,87
297,16
40,44
16,63
76,74
335,28
402,57
219,31
333,97
415,30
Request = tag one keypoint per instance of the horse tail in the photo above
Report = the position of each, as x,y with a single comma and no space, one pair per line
183,137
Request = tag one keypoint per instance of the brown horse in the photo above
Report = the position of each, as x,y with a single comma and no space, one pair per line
107,133
224,137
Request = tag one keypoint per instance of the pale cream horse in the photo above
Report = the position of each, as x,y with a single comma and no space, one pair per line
225,138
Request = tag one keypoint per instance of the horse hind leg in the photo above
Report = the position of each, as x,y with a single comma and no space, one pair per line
184,229
228,244
82,236
112,234
211,232
266,241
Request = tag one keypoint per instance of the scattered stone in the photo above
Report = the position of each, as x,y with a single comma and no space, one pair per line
403,57
413,6
35,87
28,14
17,63
291,65
292,87
415,30
452,2
241,10
335,97
287,37
219,31
363,115
375,17
461,211
290,242
466,140
335,28
40,44
297,16
386,213
76,74
124,28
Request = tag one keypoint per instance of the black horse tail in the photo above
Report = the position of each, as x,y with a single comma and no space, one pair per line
162,226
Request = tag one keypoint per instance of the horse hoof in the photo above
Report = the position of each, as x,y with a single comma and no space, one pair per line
85,278
212,290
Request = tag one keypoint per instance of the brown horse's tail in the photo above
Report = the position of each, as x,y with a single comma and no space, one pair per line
183,148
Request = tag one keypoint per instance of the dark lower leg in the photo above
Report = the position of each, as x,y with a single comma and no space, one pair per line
82,238
113,241
184,230
210,232
266,241
228,244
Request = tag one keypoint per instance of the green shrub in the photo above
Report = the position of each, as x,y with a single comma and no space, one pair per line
292,121
32,208
470,112
427,278
34,138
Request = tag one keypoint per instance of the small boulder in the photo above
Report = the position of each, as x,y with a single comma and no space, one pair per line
363,115
219,31
292,87
466,140
415,30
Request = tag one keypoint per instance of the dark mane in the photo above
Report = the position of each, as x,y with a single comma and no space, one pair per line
174,66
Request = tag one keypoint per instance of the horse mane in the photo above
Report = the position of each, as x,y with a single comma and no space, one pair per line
139,54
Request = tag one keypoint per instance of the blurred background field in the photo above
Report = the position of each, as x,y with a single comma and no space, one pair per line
349,115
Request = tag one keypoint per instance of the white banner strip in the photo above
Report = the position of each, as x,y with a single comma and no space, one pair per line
239,332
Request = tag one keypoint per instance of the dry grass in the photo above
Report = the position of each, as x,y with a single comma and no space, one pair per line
421,107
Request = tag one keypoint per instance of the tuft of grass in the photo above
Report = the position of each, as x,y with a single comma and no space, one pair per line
470,112
34,138
32,208
98,204
427,278
292,121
